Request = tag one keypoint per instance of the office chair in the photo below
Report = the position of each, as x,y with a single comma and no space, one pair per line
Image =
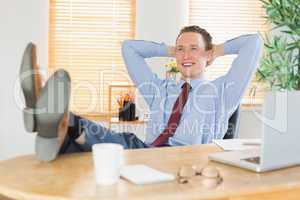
232,131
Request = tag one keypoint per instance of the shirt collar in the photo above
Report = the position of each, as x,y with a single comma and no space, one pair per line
193,82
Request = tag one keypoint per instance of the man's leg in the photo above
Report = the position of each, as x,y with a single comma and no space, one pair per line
95,133
83,133
73,132
48,115
52,123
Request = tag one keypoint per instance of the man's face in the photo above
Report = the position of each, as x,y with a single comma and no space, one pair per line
190,54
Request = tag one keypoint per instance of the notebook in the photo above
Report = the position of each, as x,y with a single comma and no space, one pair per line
142,174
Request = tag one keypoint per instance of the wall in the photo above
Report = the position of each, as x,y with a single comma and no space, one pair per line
21,22
160,21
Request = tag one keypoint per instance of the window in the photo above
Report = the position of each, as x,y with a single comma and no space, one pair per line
85,39
225,20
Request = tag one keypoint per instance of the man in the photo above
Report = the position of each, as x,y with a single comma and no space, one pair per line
193,111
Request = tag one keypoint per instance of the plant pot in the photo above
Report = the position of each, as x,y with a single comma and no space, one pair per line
171,75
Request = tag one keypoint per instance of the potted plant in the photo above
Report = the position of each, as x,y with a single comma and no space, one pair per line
280,64
171,70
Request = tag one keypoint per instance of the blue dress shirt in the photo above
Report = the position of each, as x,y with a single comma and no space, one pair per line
210,103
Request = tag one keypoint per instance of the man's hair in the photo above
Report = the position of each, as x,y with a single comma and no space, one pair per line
196,29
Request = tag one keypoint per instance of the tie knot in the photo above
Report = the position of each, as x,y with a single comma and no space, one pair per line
186,86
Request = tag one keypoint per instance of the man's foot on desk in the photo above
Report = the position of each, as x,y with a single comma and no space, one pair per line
52,116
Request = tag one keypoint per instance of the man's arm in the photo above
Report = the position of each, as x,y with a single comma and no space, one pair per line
248,48
134,54
217,51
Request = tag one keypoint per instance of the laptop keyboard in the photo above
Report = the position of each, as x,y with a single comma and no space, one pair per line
255,160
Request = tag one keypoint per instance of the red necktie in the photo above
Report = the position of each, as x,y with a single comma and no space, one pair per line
174,118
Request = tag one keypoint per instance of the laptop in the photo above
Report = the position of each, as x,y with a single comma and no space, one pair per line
280,144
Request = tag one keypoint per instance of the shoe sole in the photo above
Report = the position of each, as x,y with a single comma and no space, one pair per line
28,81
50,108
26,76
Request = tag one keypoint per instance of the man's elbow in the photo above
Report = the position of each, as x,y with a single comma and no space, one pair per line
257,40
126,44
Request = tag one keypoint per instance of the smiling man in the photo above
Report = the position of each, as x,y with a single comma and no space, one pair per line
193,51
191,111
210,103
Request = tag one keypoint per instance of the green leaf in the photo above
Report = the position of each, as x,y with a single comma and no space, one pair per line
264,2
288,32
280,64
278,25
291,47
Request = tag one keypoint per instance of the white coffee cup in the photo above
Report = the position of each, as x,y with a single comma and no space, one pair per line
108,160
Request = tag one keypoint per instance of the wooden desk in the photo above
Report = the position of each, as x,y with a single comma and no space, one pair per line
72,177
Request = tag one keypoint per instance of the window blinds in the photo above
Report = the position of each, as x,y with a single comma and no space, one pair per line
85,39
